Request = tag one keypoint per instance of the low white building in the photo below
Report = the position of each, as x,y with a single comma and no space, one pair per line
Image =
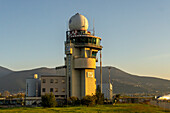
166,97
107,90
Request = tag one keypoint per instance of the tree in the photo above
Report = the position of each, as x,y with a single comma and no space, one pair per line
73,101
99,96
88,100
48,100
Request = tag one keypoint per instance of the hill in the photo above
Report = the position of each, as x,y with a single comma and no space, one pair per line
122,81
4,71
126,83
16,81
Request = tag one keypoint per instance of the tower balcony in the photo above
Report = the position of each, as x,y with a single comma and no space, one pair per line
89,45
85,63
82,41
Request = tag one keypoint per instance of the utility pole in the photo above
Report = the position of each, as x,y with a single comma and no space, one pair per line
101,70
109,74
110,93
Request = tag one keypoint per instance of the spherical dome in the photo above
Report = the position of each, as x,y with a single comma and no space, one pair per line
78,22
35,76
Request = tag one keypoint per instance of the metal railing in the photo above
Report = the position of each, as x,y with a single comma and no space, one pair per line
88,44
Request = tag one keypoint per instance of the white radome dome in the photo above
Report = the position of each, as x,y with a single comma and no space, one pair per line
78,22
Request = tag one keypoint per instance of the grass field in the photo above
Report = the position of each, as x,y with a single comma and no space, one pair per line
119,108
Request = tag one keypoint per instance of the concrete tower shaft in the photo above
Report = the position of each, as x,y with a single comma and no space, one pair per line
81,49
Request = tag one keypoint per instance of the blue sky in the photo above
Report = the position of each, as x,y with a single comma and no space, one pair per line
135,33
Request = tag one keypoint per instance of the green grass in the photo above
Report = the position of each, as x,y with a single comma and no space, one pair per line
119,108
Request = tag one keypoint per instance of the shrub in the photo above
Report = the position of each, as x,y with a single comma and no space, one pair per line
48,100
73,101
88,100
116,98
99,96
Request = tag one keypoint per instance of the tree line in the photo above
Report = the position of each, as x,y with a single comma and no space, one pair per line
48,100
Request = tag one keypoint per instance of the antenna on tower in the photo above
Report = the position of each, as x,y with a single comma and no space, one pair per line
84,23
93,28
67,26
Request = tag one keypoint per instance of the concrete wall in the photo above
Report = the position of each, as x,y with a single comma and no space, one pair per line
90,87
75,84
85,63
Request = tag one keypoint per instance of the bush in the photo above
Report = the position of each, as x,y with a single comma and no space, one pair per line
73,101
99,96
116,98
48,100
88,100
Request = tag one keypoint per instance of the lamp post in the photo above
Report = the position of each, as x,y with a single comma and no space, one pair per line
109,74
101,70
110,94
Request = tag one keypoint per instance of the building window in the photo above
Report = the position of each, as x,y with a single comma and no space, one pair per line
56,80
94,40
51,89
94,54
43,81
51,80
56,95
43,89
63,90
62,95
56,89
63,81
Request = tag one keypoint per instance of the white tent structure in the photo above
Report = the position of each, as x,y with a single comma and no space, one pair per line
166,97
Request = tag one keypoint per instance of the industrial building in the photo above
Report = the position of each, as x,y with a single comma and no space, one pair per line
33,90
33,87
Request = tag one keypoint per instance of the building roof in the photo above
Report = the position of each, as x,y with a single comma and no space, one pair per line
53,76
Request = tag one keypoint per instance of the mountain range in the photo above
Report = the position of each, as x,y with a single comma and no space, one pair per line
123,83
4,71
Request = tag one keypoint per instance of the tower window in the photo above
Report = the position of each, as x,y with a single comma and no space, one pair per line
89,40
82,40
86,40
94,40
94,53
